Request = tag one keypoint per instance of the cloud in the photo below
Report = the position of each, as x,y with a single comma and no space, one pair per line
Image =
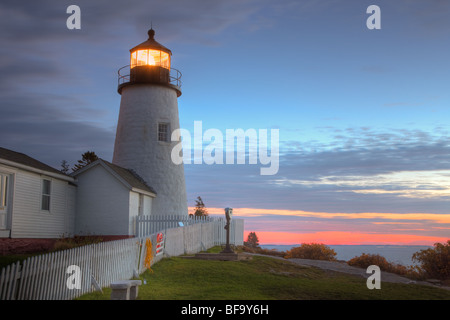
424,184
342,228
45,21
57,84
39,125
53,101
363,170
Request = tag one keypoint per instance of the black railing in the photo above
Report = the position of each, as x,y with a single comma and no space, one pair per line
124,76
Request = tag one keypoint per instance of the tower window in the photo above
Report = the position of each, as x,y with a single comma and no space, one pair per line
163,132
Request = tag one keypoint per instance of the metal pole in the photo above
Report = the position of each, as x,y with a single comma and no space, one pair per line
228,213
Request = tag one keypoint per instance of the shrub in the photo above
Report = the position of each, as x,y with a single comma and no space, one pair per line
65,243
435,262
315,251
365,260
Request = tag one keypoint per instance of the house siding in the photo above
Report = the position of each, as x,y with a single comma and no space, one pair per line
148,205
103,204
28,220
134,208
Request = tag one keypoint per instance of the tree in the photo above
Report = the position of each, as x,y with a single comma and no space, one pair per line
86,158
435,262
200,210
252,240
65,167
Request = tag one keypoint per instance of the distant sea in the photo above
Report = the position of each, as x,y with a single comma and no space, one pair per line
393,253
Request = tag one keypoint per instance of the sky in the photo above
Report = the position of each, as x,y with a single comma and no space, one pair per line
362,114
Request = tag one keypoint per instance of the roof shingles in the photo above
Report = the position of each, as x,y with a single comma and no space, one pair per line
131,177
23,159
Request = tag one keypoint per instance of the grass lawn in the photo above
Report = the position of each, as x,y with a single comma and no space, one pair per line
262,278
13,258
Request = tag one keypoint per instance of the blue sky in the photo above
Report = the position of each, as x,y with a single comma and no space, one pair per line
363,115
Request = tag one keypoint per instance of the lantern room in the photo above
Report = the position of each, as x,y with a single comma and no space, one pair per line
150,63
150,53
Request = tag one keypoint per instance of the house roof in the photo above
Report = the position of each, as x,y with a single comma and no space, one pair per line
131,178
27,161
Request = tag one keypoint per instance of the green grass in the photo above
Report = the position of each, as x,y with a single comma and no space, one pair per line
13,258
262,278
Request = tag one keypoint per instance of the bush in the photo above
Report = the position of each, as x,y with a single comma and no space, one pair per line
366,260
435,262
65,243
315,251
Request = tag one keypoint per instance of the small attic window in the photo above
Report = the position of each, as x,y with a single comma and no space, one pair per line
163,132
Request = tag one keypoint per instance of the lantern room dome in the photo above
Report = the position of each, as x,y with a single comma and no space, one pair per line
150,53
151,43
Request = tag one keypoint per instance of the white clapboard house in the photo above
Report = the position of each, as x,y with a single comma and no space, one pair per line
38,201
109,198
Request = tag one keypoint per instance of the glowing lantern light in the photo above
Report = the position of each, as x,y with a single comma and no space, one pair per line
150,63
150,53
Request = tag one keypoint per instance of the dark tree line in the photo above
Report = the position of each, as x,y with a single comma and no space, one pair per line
86,158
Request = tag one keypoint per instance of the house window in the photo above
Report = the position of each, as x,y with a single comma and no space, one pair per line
163,132
3,190
46,190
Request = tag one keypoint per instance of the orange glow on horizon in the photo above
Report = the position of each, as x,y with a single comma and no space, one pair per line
254,212
418,220
343,238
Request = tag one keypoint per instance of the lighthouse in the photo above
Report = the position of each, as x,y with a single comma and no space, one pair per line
149,89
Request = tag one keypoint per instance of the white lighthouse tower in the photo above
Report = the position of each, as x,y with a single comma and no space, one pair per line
148,115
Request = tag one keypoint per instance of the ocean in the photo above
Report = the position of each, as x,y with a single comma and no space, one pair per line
393,253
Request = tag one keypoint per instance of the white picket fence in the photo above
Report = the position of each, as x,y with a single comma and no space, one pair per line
45,277
149,224
236,232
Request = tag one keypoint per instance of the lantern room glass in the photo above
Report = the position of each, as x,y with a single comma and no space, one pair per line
150,57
